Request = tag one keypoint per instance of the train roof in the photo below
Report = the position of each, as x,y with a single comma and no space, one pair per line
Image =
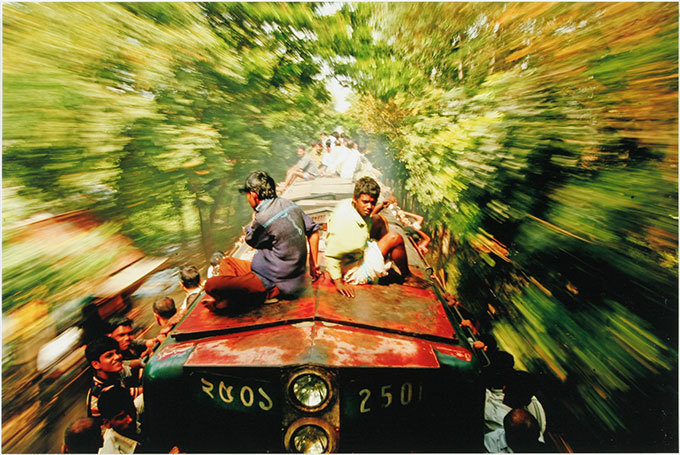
384,325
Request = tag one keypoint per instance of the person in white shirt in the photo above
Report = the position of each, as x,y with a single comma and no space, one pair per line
214,268
518,435
336,158
518,392
190,280
350,161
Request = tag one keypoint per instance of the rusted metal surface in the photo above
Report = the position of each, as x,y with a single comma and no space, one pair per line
403,309
317,342
245,315
273,346
393,307
322,326
173,350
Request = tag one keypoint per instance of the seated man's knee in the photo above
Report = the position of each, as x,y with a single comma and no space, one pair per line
395,238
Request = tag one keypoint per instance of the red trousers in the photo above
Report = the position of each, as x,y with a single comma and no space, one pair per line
237,281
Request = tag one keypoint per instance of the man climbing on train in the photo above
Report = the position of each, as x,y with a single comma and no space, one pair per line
105,359
357,243
279,231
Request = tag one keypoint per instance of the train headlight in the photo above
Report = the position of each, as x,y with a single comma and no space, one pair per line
310,439
311,435
309,391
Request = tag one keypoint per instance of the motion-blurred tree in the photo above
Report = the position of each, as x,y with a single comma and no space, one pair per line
155,112
544,136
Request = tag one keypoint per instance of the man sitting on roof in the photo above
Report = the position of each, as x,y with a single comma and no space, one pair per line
305,168
351,256
279,231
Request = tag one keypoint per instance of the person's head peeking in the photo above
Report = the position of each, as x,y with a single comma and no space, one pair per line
366,193
120,329
164,309
189,277
258,187
82,436
118,411
103,356
521,431
301,150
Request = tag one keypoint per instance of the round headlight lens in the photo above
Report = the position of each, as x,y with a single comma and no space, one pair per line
310,439
310,390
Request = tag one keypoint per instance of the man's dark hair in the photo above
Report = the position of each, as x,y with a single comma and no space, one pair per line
97,347
521,431
116,321
497,374
216,258
262,184
329,143
114,400
83,436
190,276
165,307
520,388
366,185
302,147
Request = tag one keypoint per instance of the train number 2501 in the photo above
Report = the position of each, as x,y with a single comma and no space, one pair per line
403,395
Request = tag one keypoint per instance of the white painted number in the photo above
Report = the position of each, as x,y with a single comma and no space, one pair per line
406,396
246,394
224,388
207,387
406,393
269,404
247,402
362,407
384,391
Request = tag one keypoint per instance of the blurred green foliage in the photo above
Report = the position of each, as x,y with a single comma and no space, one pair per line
544,137
148,115
152,113
46,271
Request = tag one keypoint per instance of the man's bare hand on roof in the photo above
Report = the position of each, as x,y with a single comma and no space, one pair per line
315,272
344,289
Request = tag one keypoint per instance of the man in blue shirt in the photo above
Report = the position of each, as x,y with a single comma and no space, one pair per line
279,231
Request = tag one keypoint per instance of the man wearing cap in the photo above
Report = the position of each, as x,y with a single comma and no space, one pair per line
279,231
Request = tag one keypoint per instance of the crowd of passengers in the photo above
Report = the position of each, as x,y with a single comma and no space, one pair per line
360,249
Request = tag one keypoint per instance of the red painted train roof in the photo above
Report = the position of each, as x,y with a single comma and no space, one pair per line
392,308
321,343
384,325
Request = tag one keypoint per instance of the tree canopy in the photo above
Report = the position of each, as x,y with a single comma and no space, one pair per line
544,137
540,138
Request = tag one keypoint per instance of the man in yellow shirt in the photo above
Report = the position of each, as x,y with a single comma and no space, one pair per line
352,257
